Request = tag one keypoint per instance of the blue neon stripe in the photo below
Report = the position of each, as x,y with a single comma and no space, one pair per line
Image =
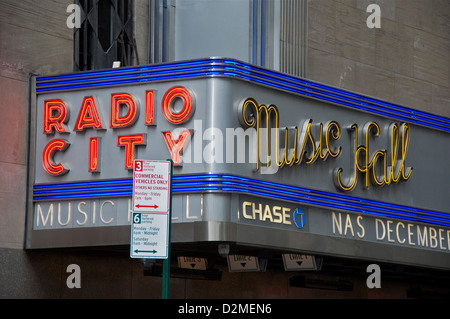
138,76
231,183
116,82
82,189
128,70
190,184
38,84
71,87
334,195
87,74
85,195
106,182
189,177
91,189
195,189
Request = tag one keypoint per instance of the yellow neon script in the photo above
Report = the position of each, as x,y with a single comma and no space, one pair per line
297,147
288,146
375,166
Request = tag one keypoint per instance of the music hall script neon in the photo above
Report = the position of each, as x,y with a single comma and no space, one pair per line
288,146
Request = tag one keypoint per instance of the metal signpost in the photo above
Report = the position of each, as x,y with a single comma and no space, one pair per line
152,211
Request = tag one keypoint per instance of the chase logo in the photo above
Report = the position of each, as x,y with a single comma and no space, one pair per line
271,213
299,218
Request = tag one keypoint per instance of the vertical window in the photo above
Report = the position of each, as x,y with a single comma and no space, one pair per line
279,35
161,30
105,35
268,33
259,26
293,36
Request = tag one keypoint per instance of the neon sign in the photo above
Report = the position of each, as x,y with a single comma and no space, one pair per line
88,115
394,172
253,115
124,112
290,146
168,105
47,157
319,143
55,116
119,101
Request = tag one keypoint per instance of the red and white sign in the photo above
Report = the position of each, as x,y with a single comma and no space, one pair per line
151,186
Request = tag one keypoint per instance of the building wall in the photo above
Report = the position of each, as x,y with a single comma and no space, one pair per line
34,40
42,274
406,61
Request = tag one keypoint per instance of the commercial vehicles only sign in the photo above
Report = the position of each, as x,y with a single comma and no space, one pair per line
151,196
151,187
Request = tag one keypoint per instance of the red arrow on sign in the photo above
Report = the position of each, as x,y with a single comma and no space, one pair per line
152,206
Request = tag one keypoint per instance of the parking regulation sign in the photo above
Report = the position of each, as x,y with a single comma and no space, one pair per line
151,209
149,235
151,186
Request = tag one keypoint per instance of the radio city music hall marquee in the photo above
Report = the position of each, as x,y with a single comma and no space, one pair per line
252,148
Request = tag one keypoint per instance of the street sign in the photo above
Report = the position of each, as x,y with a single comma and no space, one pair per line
194,263
149,236
151,186
151,209
293,262
238,263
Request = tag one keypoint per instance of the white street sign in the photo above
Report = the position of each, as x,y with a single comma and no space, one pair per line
237,263
293,262
151,186
149,235
194,263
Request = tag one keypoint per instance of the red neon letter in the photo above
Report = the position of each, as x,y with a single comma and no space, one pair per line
149,110
129,141
55,115
88,116
186,112
47,157
176,148
124,99
94,155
